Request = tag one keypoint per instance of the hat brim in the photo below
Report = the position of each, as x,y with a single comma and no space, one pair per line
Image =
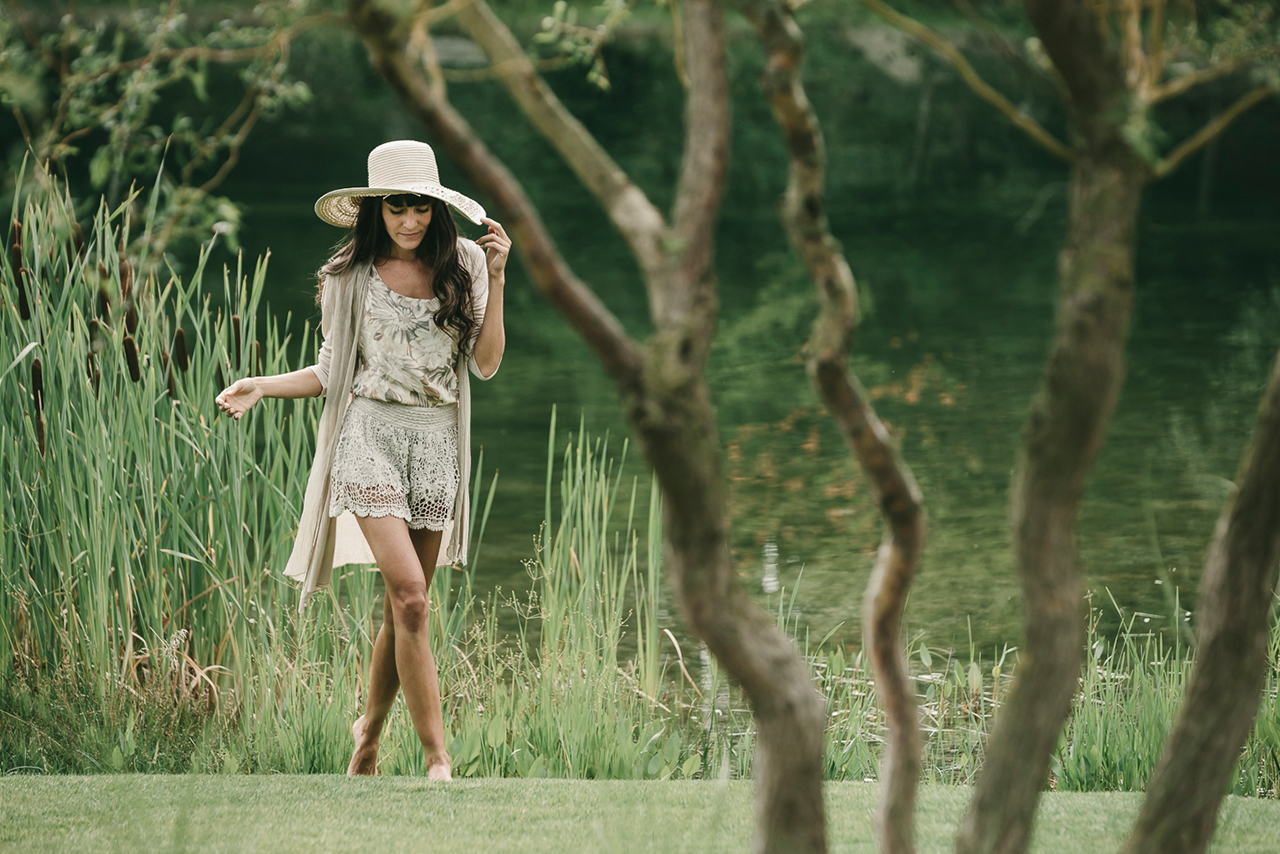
341,206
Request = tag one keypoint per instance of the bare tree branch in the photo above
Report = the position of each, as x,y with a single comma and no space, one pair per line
635,217
896,491
1237,591
703,168
1186,82
619,354
1203,136
980,87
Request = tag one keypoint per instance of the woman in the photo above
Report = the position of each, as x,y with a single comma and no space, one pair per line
405,304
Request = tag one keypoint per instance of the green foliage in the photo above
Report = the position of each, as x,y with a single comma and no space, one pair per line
120,95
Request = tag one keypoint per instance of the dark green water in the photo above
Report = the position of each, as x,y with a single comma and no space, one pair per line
957,270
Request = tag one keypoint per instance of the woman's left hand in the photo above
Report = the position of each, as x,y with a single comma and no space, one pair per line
496,246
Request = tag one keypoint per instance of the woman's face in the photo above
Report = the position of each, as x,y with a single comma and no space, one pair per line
406,223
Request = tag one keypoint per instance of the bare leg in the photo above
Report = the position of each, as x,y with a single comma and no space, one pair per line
384,684
402,653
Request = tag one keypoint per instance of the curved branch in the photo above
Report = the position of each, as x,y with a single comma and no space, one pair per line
635,217
895,488
980,87
1179,85
1203,136
619,354
1238,587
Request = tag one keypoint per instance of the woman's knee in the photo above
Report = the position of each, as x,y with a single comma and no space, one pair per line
409,608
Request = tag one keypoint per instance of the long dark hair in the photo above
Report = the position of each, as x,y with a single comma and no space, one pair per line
450,281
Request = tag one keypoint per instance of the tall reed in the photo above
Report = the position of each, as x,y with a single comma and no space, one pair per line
144,623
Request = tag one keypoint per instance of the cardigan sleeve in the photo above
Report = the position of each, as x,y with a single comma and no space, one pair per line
474,260
321,367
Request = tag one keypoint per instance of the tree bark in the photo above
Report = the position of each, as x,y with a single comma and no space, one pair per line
1065,429
896,491
1064,433
662,383
1180,811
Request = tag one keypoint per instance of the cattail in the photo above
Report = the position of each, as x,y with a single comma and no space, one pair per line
95,375
77,239
235,336
104,305
131,356
222,378
173,392
180,350
102,271
37,385
24,307
257,359
15,257
97,339
40,432
131,320
126,278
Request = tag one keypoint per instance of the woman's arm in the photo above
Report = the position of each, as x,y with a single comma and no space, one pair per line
236,398
492,340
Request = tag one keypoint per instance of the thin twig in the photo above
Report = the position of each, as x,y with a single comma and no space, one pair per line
1209,131
680,659
1179,85
975,82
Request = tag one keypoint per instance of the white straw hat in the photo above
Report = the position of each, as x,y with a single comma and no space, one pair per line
403,166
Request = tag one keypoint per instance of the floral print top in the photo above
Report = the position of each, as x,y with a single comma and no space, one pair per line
403,356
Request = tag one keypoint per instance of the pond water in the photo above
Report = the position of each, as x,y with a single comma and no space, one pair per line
958,285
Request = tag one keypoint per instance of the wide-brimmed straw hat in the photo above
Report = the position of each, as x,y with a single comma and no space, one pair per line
403,166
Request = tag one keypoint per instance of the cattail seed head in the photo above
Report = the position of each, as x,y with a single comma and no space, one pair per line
40,432
97,338
102,271
126,278
222,378
15,256
37,384
180,350
131,357
104,304
95,375
257,359
24,307
173,392
131,320
235,336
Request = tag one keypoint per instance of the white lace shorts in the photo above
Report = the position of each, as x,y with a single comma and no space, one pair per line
396,460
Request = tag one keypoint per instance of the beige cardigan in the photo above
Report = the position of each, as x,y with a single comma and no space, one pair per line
323,543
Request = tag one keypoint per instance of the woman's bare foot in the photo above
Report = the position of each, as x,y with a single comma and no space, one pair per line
364,759
439,770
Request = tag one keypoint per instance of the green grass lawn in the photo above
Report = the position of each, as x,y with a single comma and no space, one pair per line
279,814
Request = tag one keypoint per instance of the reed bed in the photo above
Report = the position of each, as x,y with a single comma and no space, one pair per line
145,626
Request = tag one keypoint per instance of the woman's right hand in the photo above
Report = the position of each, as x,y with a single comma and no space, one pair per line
236,398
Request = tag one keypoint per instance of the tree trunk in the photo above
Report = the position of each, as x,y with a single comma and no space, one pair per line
1066,425
662,383
1236,593
899,497
1065,430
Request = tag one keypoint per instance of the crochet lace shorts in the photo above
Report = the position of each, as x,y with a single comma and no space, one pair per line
396,460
